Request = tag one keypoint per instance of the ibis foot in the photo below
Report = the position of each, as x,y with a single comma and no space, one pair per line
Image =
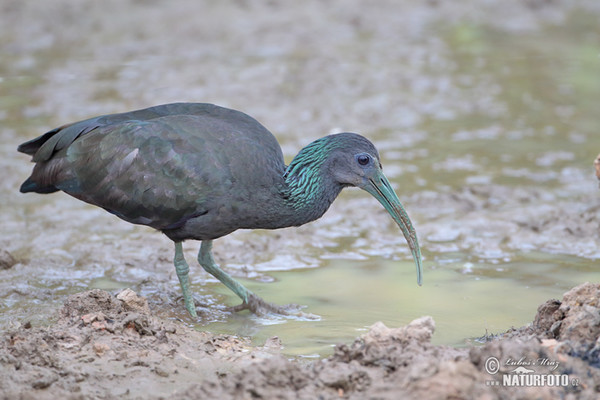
262,308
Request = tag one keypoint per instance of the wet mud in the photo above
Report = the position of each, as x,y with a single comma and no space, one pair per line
491,167
113,346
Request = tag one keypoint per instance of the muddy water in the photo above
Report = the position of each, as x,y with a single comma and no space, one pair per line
352,295
486,119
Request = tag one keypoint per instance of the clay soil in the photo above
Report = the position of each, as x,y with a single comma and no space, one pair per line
113,346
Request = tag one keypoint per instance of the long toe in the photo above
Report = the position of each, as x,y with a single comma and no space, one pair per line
263,308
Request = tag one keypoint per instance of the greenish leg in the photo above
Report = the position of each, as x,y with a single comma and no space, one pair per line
250,301
207,261
182,269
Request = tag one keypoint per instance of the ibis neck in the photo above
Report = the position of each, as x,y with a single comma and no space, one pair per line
304,190
307,195
308,188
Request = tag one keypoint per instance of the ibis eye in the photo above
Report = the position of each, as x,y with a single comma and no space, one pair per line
363,159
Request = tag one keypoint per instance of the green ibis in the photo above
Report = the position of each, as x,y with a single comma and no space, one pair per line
200,171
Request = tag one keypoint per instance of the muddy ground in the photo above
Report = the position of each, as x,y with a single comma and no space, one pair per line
62,61
107,346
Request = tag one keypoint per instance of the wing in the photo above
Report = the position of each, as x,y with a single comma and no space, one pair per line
146,173
43,147
157,167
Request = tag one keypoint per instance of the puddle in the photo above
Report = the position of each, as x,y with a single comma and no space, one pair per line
466,300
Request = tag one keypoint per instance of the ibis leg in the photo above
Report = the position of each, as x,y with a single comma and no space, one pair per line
250,300
207,261
182,269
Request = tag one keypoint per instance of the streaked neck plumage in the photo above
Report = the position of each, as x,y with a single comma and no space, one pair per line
309,188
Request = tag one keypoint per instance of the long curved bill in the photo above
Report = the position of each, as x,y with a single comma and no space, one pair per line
379,187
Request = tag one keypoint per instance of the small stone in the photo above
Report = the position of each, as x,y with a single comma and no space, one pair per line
100,348
273,343
6,259
544,319
555,328
161,372
93,317
549,343
420,329
133,302
99,325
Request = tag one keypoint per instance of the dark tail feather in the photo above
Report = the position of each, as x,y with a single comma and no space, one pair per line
31,146
31,186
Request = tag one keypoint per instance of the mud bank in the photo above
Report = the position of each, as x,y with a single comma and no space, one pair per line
106,346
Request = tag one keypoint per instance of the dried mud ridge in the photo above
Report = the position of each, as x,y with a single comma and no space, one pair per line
105,346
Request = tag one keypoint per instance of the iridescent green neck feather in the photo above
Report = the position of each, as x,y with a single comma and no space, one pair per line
309,187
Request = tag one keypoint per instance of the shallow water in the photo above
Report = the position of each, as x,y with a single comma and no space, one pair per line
466,300
487,128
